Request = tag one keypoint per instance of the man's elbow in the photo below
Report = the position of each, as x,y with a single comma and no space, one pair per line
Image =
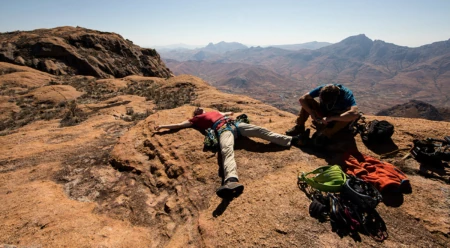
185,124
354,113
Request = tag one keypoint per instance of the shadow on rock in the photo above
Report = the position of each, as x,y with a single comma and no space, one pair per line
382,148
220,209
332,150
165,132
244,143
392,199
438,171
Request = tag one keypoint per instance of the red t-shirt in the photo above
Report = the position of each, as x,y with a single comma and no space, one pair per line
206,120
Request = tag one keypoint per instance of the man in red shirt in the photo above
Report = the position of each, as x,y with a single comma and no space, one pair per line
227,134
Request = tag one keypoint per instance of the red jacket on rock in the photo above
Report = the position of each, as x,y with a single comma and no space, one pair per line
384,176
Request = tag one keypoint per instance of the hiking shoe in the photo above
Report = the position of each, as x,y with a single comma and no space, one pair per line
296,130
319,140
301,139
230,190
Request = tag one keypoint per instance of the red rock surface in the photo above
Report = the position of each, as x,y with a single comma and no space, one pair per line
108,182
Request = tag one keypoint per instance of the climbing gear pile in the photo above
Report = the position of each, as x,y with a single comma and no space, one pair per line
431,151
361,193
349,205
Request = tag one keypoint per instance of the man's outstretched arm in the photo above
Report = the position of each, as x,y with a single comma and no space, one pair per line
180,125
227,113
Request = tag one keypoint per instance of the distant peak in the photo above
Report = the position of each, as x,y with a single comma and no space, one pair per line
357,39
223,47
359,36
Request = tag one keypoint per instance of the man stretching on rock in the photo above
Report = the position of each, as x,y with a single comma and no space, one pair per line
228,132
334,111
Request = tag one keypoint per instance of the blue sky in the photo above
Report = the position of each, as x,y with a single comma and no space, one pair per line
154,23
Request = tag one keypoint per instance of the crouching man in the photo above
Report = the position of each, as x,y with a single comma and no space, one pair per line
335,109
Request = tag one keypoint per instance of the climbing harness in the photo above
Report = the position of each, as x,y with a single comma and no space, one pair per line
212,135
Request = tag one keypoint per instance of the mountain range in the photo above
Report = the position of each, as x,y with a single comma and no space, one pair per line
380,74
183,53
229,46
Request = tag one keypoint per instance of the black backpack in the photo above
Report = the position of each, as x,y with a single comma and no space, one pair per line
377,131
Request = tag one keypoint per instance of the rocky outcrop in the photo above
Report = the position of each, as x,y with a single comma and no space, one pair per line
80,51
445,113
413,109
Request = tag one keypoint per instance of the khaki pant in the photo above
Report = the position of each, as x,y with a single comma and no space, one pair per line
327,131
227,144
